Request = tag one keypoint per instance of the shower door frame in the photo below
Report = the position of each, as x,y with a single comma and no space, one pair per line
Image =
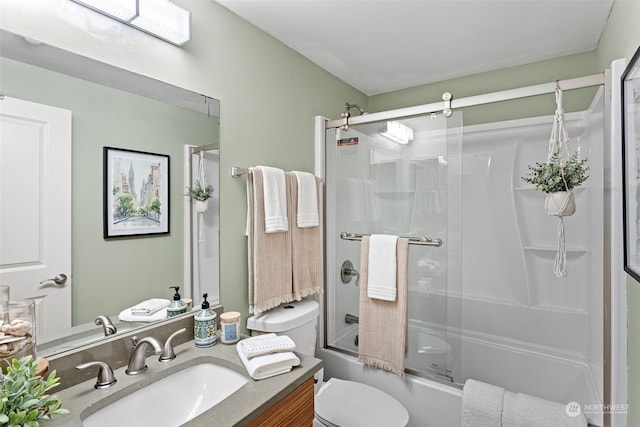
323,124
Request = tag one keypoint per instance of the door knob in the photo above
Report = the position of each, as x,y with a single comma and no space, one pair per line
60,279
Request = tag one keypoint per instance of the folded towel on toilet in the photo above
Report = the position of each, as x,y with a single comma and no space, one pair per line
268,365
260,345
523,410
481,404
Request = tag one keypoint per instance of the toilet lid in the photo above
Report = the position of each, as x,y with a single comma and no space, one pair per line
348,404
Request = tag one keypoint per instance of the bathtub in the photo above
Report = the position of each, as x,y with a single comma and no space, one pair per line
439,403
430,404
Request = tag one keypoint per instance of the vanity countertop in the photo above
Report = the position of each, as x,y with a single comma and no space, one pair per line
239,409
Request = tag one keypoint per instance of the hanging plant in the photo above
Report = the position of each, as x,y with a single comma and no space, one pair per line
200,194
558,179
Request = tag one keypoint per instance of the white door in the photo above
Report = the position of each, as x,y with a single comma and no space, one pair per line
35,210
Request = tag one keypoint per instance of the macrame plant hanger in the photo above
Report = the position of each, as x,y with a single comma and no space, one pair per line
559,153
201,207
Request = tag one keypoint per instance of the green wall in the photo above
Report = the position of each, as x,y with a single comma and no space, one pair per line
504,79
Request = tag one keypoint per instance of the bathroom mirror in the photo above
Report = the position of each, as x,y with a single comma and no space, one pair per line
117,108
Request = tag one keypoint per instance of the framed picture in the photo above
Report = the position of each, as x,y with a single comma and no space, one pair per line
136,193
630,89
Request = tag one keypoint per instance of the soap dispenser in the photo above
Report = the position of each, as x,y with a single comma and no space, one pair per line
177,306
204,325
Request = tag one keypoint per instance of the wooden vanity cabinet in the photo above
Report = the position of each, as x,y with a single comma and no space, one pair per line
295,410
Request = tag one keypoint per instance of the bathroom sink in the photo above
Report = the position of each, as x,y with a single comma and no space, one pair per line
171,401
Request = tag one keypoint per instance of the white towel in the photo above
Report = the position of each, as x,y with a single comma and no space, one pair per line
382,267
150,306
127,316
307,209
266,344
275,200
481,404
523,410
269,365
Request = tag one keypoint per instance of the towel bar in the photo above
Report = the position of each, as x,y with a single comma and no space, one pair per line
237,172
424,241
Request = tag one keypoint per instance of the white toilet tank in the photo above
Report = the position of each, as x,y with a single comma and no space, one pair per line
298,320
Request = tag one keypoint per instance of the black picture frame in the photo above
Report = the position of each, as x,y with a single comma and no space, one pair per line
135,193
630,96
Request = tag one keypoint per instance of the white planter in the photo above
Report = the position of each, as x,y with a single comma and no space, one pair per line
561,203
202,205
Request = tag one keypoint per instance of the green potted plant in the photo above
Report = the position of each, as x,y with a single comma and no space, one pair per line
201,195
558,179
23,395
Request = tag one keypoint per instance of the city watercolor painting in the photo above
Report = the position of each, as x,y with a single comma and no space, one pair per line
136,193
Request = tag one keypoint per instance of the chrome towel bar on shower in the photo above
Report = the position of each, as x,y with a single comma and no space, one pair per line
424,241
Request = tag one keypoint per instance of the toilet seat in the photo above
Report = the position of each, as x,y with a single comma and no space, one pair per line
341,403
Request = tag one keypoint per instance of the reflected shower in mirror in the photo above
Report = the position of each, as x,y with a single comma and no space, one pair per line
112,107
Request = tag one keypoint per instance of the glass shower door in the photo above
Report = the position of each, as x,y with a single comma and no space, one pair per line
377,184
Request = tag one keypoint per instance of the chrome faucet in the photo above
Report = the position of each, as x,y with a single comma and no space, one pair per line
137,361
107,325
168,353
105,374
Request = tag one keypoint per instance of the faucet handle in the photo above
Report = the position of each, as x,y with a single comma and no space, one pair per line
168,353
105,373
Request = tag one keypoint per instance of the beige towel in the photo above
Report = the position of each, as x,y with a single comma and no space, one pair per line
383,324
306,244
271,257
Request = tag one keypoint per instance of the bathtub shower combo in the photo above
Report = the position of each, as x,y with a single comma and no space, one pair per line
483,299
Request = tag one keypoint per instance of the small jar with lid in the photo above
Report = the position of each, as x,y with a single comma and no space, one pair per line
230,327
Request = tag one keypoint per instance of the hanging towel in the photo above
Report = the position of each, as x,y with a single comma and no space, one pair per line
523,410
481,404
383,324
269,365
306,247
271,260
382,267
307,196
274,200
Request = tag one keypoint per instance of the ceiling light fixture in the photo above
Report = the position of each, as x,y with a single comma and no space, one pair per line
397,132
160,18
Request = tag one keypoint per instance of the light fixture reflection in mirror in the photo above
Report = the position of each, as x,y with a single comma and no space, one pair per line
15,55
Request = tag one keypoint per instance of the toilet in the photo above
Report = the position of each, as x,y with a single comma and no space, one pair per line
338,403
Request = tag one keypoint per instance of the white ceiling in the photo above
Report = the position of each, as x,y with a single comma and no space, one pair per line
379,46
